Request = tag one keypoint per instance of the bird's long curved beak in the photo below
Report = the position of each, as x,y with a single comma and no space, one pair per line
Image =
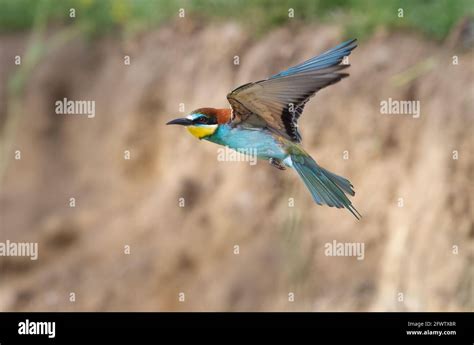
181,121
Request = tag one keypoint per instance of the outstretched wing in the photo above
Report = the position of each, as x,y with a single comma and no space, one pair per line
278,101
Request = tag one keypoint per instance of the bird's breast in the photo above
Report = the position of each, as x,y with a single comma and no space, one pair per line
257,141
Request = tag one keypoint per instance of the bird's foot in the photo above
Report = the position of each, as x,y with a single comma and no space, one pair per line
277,163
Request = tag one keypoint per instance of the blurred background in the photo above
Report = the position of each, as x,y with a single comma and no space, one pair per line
172,228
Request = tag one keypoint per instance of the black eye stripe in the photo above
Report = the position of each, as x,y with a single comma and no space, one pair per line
205,120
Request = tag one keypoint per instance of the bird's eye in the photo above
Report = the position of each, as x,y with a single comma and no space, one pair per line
202,119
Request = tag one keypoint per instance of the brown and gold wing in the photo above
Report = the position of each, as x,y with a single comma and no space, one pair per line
279,101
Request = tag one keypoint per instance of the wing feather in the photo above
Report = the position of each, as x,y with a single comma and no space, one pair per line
279,101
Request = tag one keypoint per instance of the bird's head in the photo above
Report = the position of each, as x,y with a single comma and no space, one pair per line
203,122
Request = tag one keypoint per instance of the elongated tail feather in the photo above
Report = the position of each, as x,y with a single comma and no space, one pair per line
325,187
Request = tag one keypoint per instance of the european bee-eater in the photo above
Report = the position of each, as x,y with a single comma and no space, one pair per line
263,119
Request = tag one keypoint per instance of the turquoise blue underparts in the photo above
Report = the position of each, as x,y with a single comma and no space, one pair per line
254,141
325,187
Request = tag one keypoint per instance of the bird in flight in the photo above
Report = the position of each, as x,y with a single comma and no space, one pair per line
264,119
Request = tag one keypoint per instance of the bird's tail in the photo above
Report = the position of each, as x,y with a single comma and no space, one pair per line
325,187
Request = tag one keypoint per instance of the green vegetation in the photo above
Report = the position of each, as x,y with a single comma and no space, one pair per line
359,17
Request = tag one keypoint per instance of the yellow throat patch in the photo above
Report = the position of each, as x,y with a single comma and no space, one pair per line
202,131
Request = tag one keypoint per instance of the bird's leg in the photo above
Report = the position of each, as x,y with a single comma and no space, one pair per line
277,163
